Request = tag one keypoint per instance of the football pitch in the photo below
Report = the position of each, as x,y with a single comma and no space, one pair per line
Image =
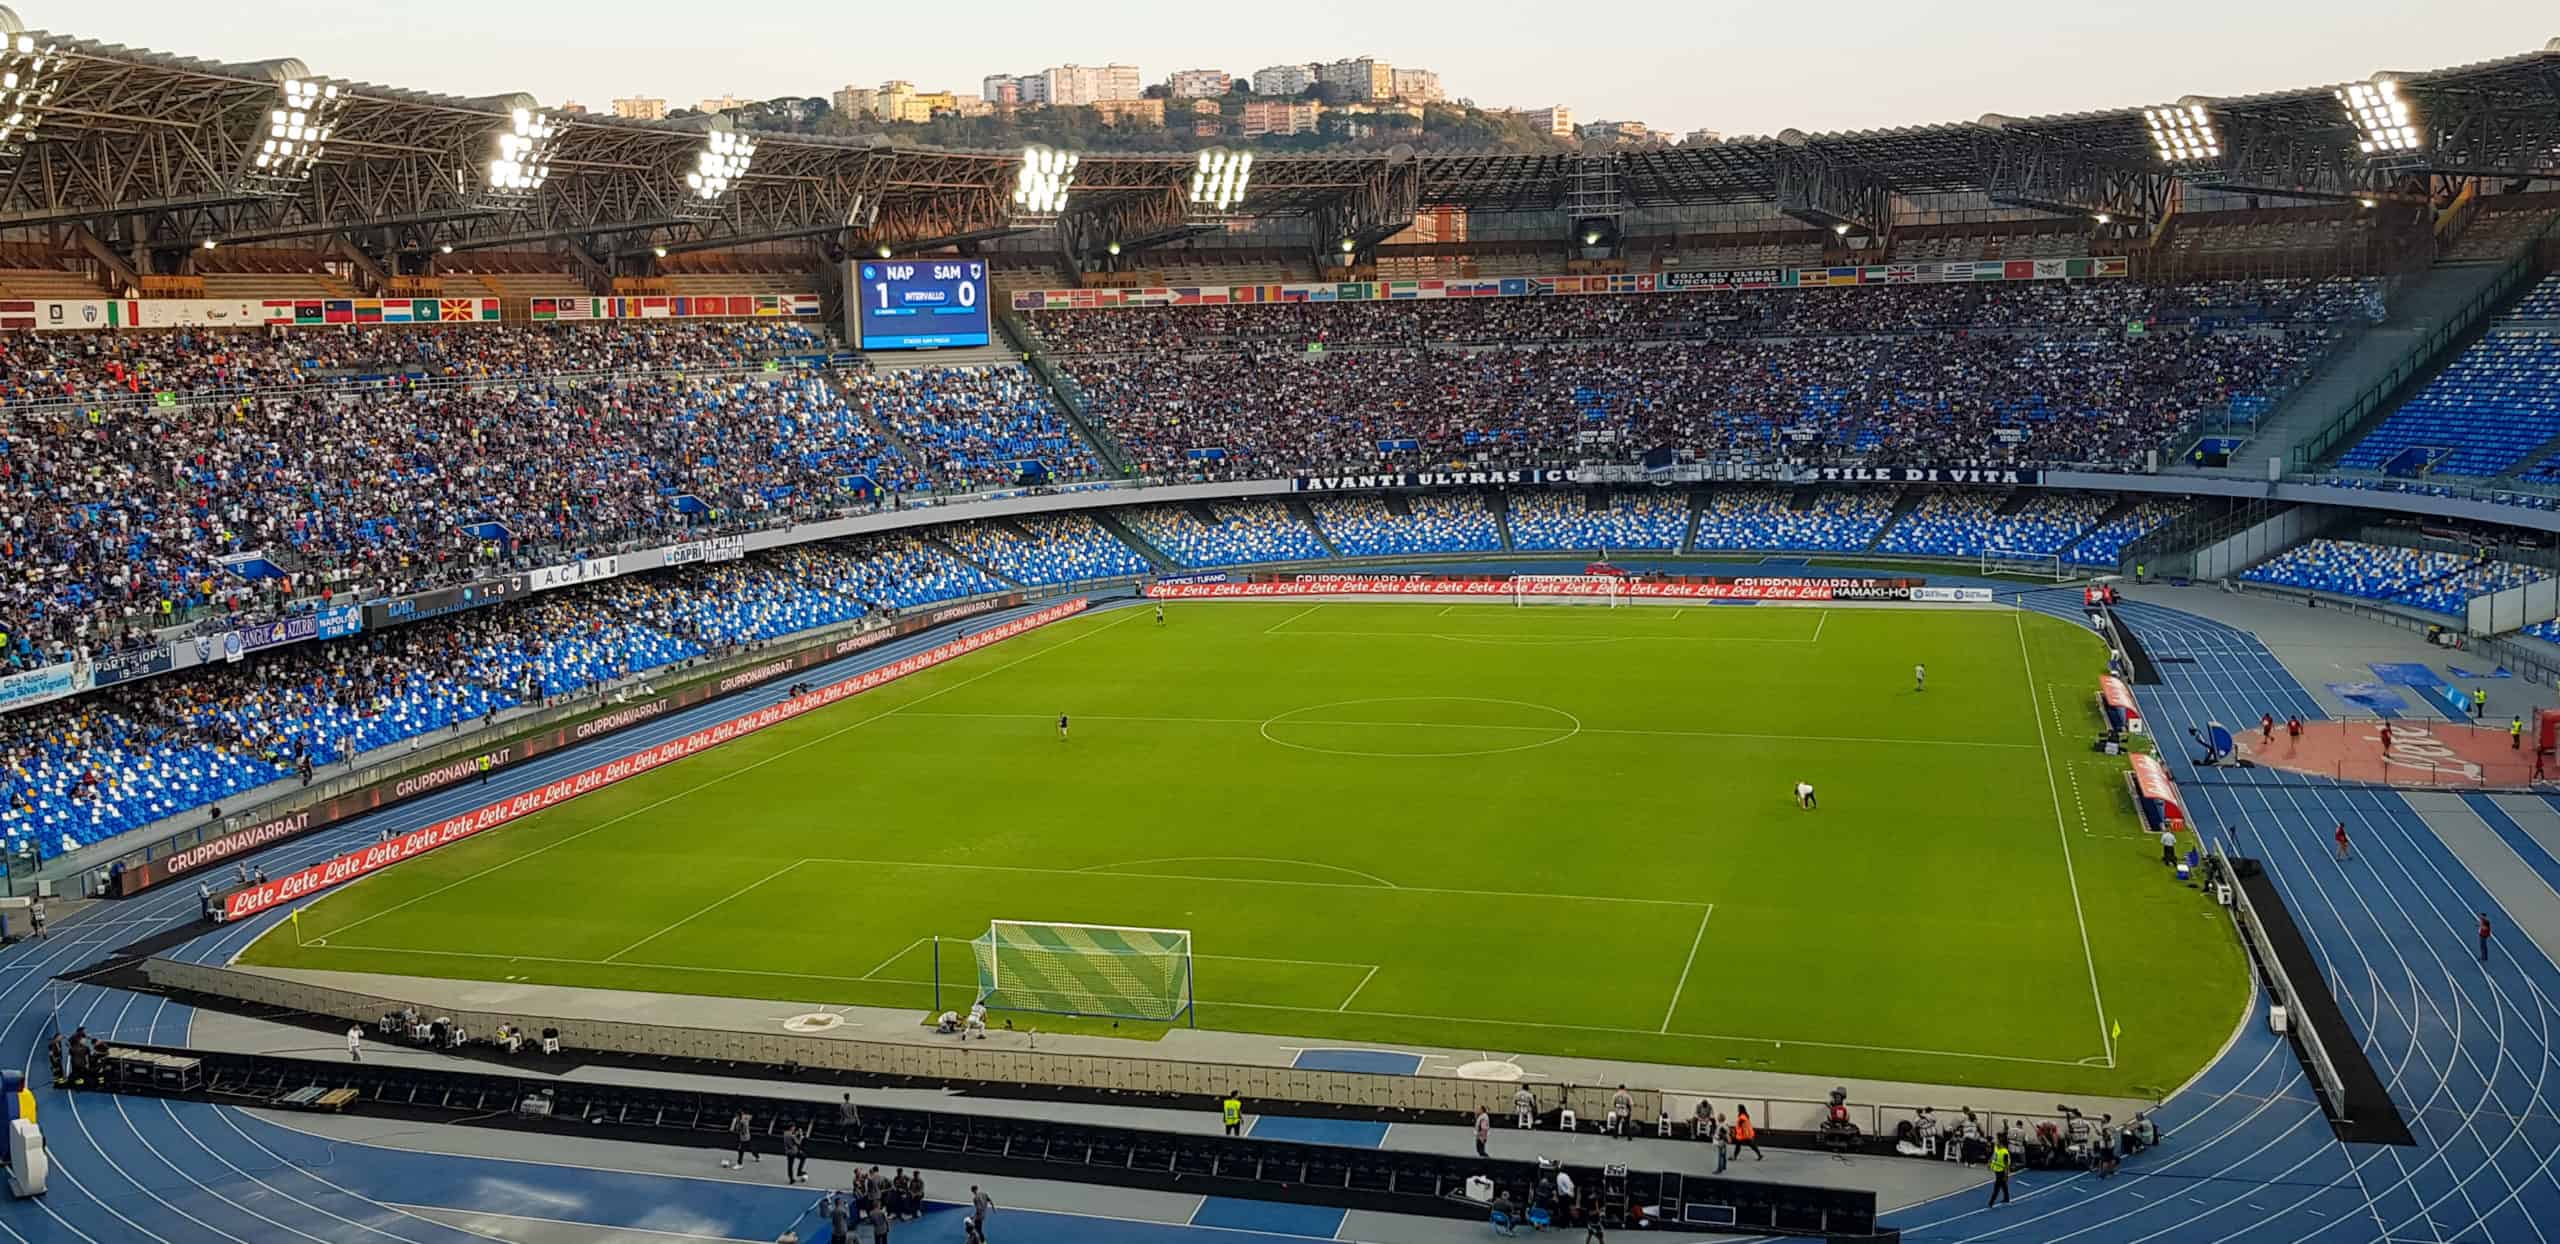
1557,829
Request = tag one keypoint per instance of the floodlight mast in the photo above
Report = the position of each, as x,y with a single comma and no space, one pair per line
293,133
718,166
1042,184
30,76
1219,181
520,153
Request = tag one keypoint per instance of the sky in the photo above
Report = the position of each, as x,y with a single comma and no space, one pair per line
1740,68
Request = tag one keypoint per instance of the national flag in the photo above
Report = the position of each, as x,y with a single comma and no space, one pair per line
455,310
1244,293
2113,265
1031,300
2077,267
2019,270
1515,287
1901,273
2049,269
15,313
653,308
1186,295
1214,297
1404,289
369,311
543,309
1960,270
1352,291
397,311
1294,293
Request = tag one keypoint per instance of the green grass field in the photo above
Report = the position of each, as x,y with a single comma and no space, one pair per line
1561,830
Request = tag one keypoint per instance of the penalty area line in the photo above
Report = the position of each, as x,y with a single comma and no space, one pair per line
1685,966
1355,990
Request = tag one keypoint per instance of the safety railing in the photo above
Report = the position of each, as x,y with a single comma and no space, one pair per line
2315,1054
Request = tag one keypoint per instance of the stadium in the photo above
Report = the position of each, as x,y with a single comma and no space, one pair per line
1975,681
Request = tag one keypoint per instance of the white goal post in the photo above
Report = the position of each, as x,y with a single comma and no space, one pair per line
1568,589
1117,971
2022,562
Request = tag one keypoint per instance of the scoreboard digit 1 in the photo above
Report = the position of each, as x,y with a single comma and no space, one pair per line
918,304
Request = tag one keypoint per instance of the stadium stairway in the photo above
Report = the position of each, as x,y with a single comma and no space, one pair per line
2467,1052
1500,504
879,427
1298,510
1902,507
939,545
1156,557
2417,307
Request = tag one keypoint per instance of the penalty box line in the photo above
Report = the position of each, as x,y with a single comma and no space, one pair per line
1342,1010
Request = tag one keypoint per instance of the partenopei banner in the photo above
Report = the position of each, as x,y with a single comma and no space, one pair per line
1813,589
318,877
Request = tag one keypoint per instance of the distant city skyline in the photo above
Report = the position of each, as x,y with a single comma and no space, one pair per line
1754,70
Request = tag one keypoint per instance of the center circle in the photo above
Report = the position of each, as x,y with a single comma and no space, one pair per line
1423,727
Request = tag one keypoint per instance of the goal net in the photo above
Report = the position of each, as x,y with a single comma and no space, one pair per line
1085,969
2021,562
1568,589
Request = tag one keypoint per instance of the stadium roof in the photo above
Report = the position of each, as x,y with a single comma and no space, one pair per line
129,135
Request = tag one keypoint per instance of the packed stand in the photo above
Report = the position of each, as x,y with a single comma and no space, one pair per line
975,426
2094,304
123,520
1044,549
108,366
1371,527
1837,520
1966,524
1566,521
746,602
1235,533
2098,400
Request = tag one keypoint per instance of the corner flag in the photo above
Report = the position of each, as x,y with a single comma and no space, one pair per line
2114,1034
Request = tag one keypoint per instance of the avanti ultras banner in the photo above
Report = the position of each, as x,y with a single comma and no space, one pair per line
345,868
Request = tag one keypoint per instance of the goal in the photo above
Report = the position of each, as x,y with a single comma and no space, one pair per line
1568,589
1085,969
2022,562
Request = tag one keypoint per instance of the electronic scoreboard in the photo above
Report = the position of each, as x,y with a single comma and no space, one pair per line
918,304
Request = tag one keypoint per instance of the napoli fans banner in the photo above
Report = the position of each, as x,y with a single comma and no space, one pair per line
127,666
1535,476
339,623
1993,476
37,686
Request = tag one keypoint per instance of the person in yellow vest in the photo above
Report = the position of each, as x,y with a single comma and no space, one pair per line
1231,1113
2479,703
2515,734
2001,1164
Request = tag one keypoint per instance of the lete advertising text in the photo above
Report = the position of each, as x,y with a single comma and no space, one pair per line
345,868
1720,589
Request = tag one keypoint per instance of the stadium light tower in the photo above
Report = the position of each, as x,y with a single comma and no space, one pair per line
718,167
1041,186
30,75
293,135
1219,179
2183,134
520,157
2386,130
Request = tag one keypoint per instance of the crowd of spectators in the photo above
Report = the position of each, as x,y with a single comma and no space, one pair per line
2094,399
1825,311
2104,544
57,368
976,427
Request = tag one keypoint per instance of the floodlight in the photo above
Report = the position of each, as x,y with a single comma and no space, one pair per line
1219,179
447,248
1841,228
210,243
2103,218
659,251
1042,185
523,160
720,165
1114,248
2183,133
1590,237
2383,122
883,252
30,75
1348,246
295,136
